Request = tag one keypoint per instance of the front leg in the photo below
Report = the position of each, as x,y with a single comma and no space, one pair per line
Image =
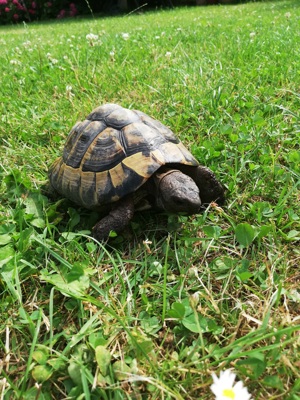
210,188
116,220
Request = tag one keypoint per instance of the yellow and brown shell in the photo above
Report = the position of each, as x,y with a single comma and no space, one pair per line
113,153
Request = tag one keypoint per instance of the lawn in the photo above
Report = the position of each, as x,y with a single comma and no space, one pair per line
153,313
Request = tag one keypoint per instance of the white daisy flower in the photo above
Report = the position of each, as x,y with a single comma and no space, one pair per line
225,389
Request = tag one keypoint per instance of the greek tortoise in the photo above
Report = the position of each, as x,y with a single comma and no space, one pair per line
118,161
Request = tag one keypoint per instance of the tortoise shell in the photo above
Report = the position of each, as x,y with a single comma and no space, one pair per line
113,153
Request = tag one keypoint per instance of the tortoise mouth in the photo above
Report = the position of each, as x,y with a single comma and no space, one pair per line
185,208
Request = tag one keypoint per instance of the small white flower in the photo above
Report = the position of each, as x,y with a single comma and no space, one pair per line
15,62
193,272
69,92
252,34
194,299
112,53
51,59
125,36
225,389
168,54
91,37
27,44
288,15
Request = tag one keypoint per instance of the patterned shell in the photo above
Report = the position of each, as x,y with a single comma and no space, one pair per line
113,153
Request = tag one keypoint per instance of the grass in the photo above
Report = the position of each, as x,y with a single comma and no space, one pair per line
155,312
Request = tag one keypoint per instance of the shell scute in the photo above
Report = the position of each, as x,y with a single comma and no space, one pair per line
70,184
99,113
121,117
87,189
158,126
104,152
79,141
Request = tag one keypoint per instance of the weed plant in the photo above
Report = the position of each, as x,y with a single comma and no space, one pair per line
153,313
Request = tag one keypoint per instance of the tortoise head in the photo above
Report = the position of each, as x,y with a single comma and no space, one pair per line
177,193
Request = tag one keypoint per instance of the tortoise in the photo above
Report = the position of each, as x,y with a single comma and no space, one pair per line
118,161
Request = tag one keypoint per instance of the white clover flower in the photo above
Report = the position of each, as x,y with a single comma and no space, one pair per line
194,299
193,272
288,15
15,62
69,92
225,389
125,36
51,59
92,38
168,54
252,34
27,44
112,53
